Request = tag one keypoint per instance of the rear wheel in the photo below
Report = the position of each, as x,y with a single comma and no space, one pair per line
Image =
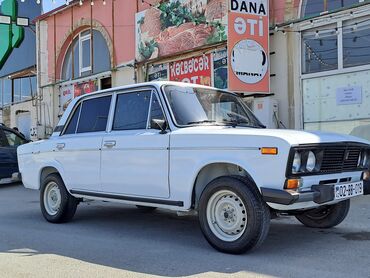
232,215
57,205
326,216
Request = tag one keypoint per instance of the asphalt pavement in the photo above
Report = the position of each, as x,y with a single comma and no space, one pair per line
113,240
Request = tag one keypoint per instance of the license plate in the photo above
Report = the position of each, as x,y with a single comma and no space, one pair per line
344,191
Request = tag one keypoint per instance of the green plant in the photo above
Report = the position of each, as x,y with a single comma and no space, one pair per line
146,49
175,14
219,33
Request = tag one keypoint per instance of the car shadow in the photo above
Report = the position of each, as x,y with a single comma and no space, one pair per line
162,243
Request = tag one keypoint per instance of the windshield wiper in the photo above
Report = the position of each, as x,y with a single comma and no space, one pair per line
201,122
241,123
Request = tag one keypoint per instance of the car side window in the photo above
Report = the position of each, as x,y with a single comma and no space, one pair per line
13,139
132,111
94,115
156,111
71,128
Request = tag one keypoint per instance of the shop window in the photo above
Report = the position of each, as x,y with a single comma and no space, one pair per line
319,50
94,115
90,54
132,111
315,7
356,41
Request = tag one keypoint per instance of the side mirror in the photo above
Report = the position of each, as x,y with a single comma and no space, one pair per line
159,124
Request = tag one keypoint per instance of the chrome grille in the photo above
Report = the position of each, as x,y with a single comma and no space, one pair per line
338,159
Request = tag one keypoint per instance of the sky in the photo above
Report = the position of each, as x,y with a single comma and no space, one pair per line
48,5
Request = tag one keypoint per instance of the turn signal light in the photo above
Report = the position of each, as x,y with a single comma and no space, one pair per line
366,175
292,184
269,151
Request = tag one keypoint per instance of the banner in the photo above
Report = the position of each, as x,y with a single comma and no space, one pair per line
66,94
195,70
85,88
158,72
248,46
220,69
176,26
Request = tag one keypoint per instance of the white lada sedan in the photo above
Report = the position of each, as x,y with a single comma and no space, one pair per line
197,149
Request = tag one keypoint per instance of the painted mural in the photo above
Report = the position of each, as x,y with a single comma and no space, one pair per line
175,26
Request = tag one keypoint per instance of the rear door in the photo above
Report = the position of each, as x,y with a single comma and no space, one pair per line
78,148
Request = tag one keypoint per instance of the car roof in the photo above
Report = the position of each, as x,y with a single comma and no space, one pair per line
156,84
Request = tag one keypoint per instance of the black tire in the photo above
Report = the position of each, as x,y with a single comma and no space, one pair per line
68,203
326,216
256,210
146,209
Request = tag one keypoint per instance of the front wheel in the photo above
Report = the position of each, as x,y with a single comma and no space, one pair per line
57,205
326,216
232,215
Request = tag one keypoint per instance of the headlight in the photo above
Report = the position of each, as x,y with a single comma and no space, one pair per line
296,163
311,162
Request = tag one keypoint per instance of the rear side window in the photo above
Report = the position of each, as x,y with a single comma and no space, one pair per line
132,111
71,128
94,115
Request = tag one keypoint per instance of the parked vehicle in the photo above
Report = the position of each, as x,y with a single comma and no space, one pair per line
10,139
192,148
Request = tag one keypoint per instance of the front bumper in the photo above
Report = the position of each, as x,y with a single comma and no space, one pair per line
318,194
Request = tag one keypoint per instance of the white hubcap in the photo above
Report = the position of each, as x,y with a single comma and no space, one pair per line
52,198
226,215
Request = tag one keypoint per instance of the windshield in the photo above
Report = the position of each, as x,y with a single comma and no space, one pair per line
192,105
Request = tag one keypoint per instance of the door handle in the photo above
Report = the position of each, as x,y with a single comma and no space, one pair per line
60,146
109,144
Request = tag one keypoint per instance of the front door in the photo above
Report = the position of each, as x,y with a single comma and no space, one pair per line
9,141
78,148
135,154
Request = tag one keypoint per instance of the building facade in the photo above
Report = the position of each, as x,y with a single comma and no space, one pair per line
18,84
318,54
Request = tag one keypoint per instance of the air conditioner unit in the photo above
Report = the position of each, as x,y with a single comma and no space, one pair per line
266,110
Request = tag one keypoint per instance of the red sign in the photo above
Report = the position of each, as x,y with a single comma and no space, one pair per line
85,88
195,70
248,46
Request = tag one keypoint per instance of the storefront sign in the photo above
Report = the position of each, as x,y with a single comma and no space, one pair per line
349,95
158,72
195,70
85,88
66,94
11,29
248,46
220,69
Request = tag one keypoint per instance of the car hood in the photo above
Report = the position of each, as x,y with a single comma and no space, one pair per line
293,137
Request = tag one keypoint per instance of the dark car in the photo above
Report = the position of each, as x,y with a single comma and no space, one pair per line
10,139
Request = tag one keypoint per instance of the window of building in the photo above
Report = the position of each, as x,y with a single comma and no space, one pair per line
356,42
94,115
90,55
7,91
132,111
315,7
319,50
23,88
